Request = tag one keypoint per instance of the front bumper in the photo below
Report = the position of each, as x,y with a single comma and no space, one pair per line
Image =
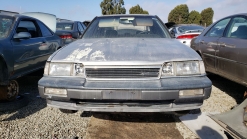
126,96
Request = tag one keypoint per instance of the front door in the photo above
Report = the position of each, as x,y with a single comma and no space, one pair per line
232,61
26,53
209,44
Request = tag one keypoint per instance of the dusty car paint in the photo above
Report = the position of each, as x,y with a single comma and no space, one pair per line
134,49
123,74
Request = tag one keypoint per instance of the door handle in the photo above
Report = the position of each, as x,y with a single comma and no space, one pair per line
222,44
202,42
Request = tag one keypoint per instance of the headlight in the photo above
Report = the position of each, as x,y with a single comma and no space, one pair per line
60,69
168,69
183,68
188,68
79,69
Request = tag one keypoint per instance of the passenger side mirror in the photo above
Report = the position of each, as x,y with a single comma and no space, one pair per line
172,33
22,35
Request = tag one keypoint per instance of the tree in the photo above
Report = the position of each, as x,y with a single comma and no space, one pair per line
112,7
179,14
194,17
137,10
207,16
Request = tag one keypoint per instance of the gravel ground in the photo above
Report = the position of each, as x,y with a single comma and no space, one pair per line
38,121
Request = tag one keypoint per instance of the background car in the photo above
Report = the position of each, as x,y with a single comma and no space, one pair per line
185,32
70,30
223,48
125,63
86,22
25,45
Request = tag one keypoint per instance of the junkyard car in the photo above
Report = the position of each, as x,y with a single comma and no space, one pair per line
125,63
25,45
223,47
70,30
186,32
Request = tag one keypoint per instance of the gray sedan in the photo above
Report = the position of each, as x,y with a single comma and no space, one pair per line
25,44
223,48
125,63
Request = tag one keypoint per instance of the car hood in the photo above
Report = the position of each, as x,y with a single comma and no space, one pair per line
125,49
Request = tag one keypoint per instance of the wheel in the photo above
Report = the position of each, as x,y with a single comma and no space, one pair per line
12,90
68,111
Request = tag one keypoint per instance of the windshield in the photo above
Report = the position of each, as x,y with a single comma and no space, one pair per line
64,26
183,29
122,26
5,25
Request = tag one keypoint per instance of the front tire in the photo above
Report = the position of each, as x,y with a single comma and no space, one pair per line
9,92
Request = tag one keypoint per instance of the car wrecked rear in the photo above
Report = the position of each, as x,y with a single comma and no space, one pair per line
142,73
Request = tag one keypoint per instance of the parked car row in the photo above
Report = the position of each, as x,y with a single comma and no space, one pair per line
150,72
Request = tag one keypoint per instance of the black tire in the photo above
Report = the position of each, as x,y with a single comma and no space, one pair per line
18,103
68,111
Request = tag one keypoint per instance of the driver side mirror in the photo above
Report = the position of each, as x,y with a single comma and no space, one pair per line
22,35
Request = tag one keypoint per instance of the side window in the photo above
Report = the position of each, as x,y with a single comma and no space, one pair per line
28,26
45,31
84,27
237,28
218,29
80,28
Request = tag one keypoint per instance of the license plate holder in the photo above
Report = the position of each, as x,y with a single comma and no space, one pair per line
121,95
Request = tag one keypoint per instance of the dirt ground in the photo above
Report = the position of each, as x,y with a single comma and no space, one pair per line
132,126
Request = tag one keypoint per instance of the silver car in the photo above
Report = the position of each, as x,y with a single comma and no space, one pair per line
186,32
125,63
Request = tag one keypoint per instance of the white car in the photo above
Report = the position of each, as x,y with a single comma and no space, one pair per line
186,32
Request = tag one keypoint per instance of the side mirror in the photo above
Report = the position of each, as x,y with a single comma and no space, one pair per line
22,35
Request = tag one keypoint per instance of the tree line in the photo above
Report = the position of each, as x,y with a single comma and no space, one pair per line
180,14
109,7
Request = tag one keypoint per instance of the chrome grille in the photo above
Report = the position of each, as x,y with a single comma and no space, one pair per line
122,72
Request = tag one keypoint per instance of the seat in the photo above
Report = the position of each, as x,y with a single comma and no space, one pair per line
241,32
33,33
21,29
111,33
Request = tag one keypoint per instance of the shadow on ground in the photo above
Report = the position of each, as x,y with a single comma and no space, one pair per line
132,125
28,87
233,89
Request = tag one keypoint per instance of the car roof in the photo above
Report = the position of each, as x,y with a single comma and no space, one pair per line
178,25
67,21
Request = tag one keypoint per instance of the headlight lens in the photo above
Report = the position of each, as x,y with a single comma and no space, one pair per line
183,68
60,69
168,69
188,68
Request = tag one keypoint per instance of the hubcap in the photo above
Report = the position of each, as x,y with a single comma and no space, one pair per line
12,90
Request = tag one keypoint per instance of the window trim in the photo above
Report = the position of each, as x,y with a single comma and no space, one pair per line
216,24
28,19
228,26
